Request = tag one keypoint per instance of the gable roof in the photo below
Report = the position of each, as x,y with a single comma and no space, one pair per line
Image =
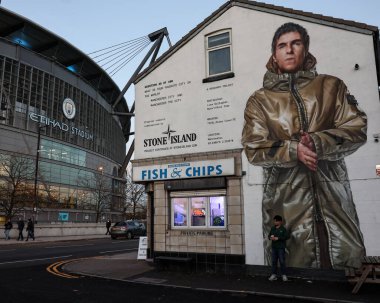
277,10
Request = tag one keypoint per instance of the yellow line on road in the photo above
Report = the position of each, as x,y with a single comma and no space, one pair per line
54,269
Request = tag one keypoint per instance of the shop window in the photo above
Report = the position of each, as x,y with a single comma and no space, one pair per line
217,216
198,212
218,49
180,212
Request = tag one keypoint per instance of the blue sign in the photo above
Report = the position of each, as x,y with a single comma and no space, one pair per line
183,170
63,216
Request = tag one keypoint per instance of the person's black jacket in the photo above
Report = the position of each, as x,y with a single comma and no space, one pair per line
20,225
8,225
30,226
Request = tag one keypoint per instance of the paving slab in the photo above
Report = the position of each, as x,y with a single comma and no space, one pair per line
110,267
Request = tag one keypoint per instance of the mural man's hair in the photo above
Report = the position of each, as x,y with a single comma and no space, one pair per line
288,28
277,218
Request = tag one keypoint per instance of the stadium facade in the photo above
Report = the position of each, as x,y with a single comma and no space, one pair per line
56,110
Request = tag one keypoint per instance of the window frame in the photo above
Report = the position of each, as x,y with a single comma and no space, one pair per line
208,50
189,225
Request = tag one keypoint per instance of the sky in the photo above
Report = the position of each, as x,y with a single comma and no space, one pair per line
92,25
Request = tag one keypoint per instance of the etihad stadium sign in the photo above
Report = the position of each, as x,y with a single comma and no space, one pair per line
61,125
69,111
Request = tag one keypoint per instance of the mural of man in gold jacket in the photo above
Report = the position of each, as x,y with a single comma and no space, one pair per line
299,127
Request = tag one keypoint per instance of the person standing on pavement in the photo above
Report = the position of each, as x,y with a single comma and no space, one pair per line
20,227
108,225
30,230
7,229
278,235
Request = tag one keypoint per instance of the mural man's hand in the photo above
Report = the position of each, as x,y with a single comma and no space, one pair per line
307,156
307,140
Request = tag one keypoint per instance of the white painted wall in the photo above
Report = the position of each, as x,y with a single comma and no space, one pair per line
336,50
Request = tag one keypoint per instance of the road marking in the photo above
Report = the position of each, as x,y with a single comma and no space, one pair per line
69,246
54,269
33,260
109,251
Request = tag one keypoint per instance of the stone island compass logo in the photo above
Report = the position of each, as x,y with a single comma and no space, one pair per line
68,107
169,131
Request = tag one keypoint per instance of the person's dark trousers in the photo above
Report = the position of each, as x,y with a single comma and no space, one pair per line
31,235
108,231
20,236
278,254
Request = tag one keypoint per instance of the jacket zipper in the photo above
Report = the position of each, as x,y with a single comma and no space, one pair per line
300,105
302,116
304,123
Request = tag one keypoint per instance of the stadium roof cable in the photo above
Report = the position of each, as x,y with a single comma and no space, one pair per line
115,57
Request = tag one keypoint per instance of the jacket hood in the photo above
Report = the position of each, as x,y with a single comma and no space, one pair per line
280,82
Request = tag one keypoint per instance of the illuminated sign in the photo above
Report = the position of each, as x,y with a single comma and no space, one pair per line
68,108
61,125
69,111
184,170
63,216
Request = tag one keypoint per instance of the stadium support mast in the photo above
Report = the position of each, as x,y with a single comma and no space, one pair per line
156,36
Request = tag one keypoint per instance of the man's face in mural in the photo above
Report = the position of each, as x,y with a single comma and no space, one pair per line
289,52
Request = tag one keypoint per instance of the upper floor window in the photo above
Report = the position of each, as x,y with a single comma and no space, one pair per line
218,50
60,152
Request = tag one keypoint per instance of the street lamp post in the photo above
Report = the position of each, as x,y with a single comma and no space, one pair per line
36,171
101,168
100,193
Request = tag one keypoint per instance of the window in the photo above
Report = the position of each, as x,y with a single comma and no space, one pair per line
198,211
217,217
133,224
60,152
120,224
218,49
180,211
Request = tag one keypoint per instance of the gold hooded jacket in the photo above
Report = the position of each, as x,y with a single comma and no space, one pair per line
274,117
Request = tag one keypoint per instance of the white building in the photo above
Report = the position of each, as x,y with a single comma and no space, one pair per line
205,199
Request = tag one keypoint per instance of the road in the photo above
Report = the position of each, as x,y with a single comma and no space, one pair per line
18,255
24,277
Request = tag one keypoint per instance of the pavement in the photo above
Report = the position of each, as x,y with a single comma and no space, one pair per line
125,267
13,240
